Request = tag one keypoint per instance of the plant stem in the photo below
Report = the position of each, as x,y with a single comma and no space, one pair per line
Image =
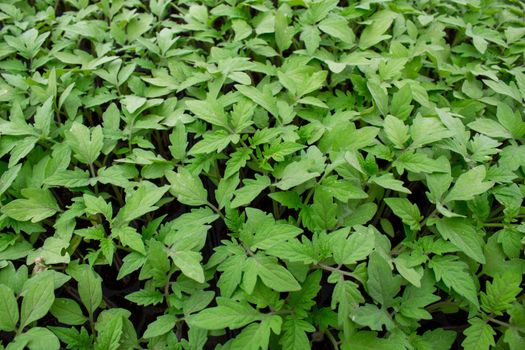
501,323
332,339
494,225
333,269
217,210
93,174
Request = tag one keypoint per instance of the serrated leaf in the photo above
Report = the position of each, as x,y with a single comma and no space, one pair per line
252,188
490,128
406,211
228,314
187,188
388,181
237,161
463,235
338,28
380,96
37,301
109,337
140,202
454,274
375,32
85,143
479,335
145,297
67,311
396,131
294,334
38,205
274,275
90,288
162,325
9,309
189,263
469,184
419,163
501,293
381,283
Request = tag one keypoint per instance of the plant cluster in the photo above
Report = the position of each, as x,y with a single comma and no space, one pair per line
262,174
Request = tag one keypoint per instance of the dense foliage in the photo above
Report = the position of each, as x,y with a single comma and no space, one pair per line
262,174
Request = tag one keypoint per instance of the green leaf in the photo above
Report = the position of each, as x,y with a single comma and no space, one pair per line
109,337
437,339
22,149
210,111
283,33
145,297
189,263
237,161
37,301
490,128
469,184
213,142
455,275
43,117
241,28
322,215
400,106
418,296
8,309
228,314
375,32
97,205
89,288
133,103
420,163
478,336
131,262
37,338
381,284
368,341
252,188
388,181
265,100
69,178
274,275
379,94
427,130
510,120
254,336
269,235
38,205
187,187
343,190
463,235
295,174
371,316
396,131
179,141
338,28
406,211
294,334
8,177
85,143
141,201
67,311
501,88
129,237
358,246
311,36
162,325
501,293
